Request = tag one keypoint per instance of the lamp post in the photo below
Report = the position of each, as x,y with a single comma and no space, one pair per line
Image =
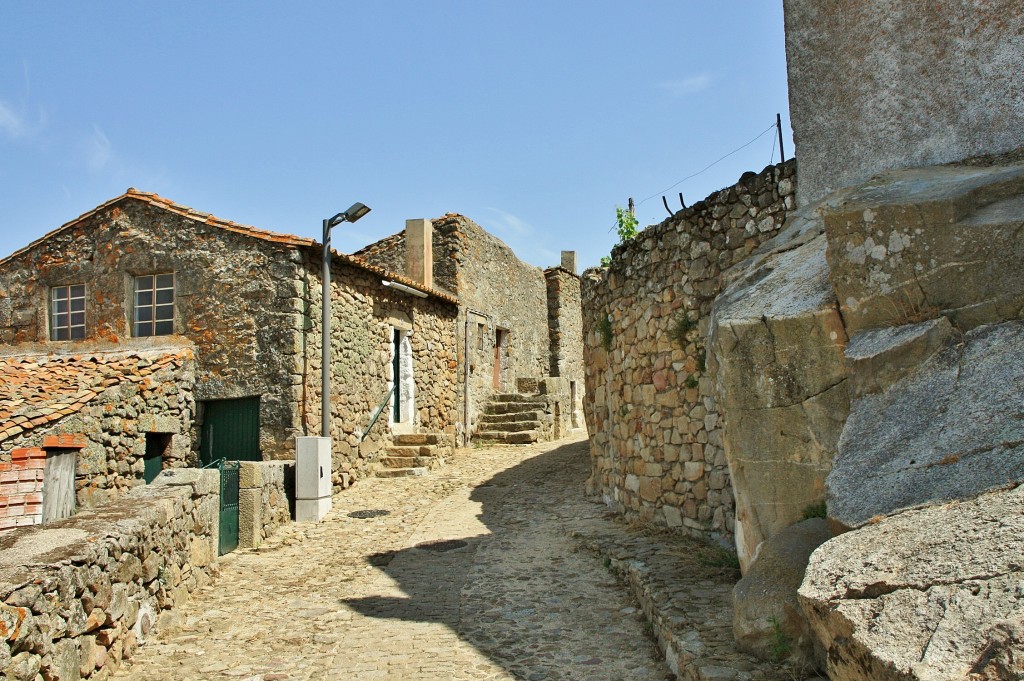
354,212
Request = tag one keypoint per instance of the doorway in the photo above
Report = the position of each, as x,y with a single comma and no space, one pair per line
403,402
500,351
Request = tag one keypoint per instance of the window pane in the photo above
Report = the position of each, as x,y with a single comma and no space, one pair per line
60,333
165,296
144,314
144,298
144,329
78,333
164,312
60,293
164,328
78,304
60,320
77,319
78,291
143,283
60,306
165,281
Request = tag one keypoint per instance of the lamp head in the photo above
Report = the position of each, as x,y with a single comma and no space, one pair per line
354,212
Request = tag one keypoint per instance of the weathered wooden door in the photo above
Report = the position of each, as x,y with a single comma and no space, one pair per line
59,485
231,430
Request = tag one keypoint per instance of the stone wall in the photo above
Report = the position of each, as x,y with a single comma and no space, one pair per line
365,314
266,492
565,329
236,299
80,595
654,418
115,424
900,83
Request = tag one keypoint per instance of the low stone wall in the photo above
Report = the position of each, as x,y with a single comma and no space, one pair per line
263,500
80,595
654,419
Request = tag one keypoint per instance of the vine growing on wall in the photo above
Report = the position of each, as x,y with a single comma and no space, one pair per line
604,329
625,226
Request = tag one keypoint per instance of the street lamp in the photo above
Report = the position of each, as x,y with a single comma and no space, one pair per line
354,212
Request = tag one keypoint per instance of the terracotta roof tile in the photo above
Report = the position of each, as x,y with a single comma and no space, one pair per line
265,235
40,389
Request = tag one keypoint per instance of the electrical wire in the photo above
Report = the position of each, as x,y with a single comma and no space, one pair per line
710,165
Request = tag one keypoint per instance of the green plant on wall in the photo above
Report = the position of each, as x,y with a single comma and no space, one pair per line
604,329
682,325
625,226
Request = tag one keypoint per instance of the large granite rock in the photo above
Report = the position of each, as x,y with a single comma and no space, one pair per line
766,618
911,245
777,340
929,594
950,430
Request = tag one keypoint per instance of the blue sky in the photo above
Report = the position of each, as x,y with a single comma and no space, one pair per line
535,119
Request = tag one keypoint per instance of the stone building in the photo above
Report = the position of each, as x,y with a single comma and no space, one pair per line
521,327
141,274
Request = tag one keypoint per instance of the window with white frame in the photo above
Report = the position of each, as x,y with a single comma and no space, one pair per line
67,312
154,305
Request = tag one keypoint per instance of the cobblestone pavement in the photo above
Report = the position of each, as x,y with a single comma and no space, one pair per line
472,574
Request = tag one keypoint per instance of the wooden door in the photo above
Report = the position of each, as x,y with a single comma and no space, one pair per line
59,485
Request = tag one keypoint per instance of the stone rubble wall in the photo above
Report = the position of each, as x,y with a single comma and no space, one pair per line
79,596
565,328
115,424
363,315
651,409
266,490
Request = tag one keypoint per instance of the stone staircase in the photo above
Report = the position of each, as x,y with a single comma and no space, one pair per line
512,419
413,454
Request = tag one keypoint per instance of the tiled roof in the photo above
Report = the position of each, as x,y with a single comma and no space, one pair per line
36,390
262,234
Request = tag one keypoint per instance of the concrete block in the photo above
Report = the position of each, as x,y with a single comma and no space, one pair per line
250,518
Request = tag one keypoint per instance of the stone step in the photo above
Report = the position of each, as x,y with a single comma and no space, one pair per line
518,397
417,450
412,439
401,472
410,461
525,437
532,415
512,426
509,407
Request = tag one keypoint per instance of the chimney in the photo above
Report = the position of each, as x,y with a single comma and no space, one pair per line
419,251
569,261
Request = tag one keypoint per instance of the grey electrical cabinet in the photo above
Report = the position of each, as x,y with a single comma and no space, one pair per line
312,478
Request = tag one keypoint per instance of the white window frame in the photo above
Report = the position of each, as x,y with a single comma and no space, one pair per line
67,324
152,306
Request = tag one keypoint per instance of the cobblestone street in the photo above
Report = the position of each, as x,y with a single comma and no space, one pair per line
471,574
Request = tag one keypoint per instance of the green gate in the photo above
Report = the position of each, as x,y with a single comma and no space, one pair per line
228,518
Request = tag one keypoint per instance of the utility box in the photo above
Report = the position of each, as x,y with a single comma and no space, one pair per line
312,478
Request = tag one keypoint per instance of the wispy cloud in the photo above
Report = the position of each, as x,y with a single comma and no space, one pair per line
508,223
686,86
98,150
12,123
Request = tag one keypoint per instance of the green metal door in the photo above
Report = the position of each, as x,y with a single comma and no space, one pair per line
231,430
228,535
